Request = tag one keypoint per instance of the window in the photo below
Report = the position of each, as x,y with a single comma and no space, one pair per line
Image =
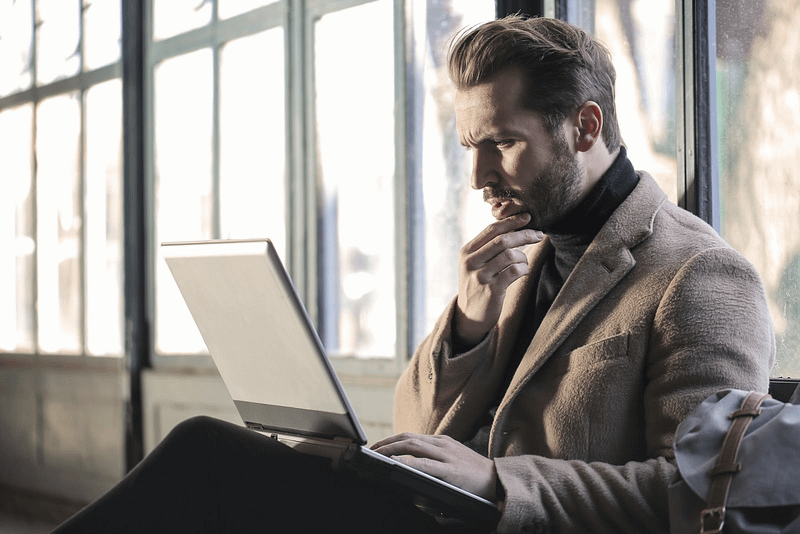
641,38
272,118
60,143
449,213
758,101
219,138
354,88
326,178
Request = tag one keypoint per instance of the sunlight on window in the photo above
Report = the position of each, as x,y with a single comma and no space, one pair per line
454,213
640,35
758,75
355,121
230,8
58,229
104,232
171,17
16,230
101,32
57,40
252,186
16,37
183,191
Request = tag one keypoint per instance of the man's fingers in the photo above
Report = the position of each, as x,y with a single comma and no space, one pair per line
498,228
419,445
507,259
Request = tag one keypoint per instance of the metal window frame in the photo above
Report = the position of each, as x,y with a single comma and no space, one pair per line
307,212
297,18
136,257
698,162
78,83
532,8
213,36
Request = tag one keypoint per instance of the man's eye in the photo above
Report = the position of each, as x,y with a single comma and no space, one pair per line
504,143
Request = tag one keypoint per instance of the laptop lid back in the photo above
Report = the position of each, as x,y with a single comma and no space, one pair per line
261,339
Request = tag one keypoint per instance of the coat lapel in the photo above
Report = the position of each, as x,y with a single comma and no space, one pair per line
607,260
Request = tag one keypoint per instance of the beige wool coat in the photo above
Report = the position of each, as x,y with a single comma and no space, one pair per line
658,314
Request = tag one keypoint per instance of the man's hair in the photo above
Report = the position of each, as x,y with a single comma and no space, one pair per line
563,67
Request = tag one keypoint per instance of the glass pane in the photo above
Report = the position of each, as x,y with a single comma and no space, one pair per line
101,32
58,231
171,17
16,231
453,212
252,139
640,34
104,232
16,39
758,77
57,39
355,127
230,8
183,91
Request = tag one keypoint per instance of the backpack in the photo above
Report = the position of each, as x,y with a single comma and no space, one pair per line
738,457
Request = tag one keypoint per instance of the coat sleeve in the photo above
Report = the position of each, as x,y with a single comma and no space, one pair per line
712,330
433,384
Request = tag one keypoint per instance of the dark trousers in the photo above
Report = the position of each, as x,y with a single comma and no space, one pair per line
211,476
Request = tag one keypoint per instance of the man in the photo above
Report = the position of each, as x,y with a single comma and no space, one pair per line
568,367
554,381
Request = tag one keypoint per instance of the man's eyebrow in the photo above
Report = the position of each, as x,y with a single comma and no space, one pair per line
490,138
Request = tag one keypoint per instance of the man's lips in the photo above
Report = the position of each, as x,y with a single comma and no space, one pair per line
503,208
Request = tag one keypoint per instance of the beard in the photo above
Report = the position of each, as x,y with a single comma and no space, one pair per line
551,194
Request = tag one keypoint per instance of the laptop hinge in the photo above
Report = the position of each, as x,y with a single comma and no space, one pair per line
341,441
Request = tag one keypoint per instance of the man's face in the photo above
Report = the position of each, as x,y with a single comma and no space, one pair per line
518,163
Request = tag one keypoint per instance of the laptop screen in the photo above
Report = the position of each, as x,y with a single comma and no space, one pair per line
258,334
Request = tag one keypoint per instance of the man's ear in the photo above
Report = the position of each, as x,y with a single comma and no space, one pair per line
590,126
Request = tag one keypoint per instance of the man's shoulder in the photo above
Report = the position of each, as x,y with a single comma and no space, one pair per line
647,216
650,200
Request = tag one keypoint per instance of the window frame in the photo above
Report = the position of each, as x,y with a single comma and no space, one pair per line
213,36
79,83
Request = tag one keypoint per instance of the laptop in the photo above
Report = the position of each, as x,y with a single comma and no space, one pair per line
275,368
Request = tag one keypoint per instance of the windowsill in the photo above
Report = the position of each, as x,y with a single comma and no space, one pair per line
68,362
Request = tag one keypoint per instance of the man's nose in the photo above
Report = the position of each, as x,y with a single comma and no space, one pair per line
483,172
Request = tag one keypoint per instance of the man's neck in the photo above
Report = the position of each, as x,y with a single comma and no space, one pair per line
596,163
608,192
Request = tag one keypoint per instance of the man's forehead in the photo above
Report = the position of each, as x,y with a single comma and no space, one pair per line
485,107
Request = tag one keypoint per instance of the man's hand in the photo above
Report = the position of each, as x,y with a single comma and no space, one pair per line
487,266
444,458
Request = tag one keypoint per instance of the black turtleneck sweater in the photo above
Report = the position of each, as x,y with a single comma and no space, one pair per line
570,238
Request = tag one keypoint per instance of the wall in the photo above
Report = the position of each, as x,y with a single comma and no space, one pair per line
62,430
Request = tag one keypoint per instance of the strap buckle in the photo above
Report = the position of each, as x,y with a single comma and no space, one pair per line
712,520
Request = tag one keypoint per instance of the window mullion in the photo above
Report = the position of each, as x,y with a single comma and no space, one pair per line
698,182
135,212
403,201
216,223
705,109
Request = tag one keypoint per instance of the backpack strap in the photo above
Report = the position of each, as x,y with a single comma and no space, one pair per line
713,517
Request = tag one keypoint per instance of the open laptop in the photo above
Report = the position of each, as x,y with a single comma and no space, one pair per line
277,372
